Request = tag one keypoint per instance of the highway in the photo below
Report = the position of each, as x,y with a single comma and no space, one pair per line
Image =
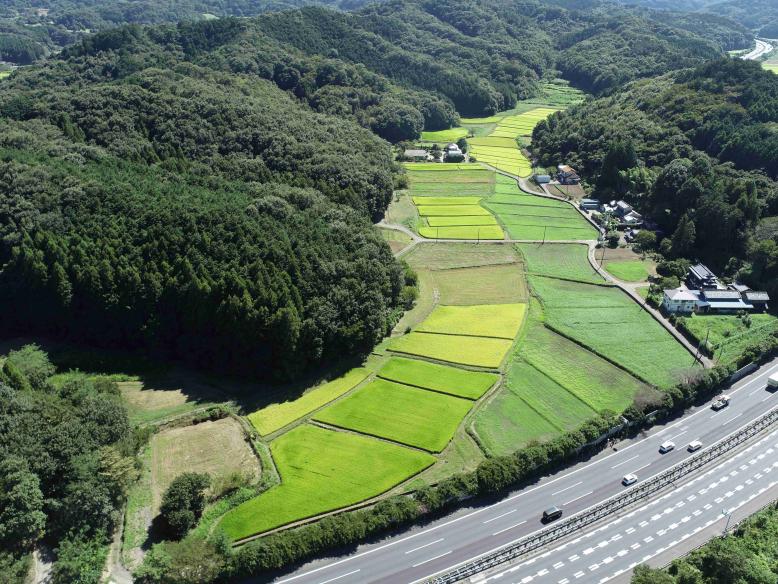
422,552
762,48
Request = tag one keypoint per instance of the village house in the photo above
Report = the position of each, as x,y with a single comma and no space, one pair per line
679,301
417,155
567,175
699,276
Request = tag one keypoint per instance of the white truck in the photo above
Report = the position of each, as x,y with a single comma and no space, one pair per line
772,381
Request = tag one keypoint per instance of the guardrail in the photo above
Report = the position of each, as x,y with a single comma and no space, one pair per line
609,506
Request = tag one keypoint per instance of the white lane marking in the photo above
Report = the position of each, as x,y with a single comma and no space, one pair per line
573,558
679,434
431,559
503,515
567,488
641,468
578,497
338,577
509,528
416,549
626,461
731,419
558,565
578,574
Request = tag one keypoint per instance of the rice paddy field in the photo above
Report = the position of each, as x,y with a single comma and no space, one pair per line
568,261
444,136
728,335
552,385
435,377
499,147
606,320
400,413
487,320
500,284
475,351
628,271
322,470
276,416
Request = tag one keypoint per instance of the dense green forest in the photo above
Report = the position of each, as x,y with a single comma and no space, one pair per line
759,15
747,555
66,461
478,55
697,151
207,217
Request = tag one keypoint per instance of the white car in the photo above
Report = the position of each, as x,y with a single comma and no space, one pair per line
629,479
666,447
694,446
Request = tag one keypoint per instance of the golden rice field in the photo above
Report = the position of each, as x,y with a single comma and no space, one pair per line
499,148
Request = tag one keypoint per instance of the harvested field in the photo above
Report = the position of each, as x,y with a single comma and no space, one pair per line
451,210
439,256
218,448
397,240
475,232
501,284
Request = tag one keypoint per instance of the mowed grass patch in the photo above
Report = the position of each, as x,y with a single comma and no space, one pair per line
322,470
475,232
440,256
171,395
486,320
628,271
728,335
475,351
570,261
501,284
408,415
457,382
218,448
606,320
276,416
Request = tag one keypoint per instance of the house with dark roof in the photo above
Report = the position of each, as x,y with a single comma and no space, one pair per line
757,298
721,302
567,175
699,276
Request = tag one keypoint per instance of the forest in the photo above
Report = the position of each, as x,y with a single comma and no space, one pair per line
67,458
697,151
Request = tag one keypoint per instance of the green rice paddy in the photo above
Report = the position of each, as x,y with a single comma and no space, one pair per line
568,261
401,413
475,351
441,136
276,416
606,320
322,470
457,382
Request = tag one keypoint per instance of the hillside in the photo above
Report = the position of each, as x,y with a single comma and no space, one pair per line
698,144
137,214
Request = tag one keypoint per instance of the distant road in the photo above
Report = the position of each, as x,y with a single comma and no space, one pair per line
762,48
422,551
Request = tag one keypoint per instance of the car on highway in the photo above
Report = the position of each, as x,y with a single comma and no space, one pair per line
694,446
772,381
720,403
666,447
551,514
629,479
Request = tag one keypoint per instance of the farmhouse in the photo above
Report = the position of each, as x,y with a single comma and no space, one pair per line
626,215
679,301
567,175
721,301
417,155
700,276
758,299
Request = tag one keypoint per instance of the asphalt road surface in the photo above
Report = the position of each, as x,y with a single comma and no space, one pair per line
762,48
422,552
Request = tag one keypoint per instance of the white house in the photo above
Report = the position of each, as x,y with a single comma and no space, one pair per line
679,301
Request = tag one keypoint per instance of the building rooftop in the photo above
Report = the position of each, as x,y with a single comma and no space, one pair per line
416,153
701,272
722,295
680,294
756,296
739,305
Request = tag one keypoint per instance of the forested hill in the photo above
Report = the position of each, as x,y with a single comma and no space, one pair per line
479,55
198,214
697,150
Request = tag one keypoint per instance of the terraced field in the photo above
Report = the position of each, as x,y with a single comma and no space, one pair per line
499,147
568,261
474,351
435,377
322,470
500,321
443,137
606,320
400,413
